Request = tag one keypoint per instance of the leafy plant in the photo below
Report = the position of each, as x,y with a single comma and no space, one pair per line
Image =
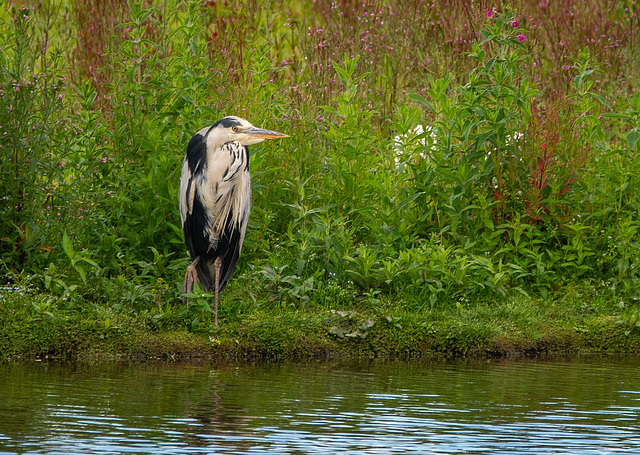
439,156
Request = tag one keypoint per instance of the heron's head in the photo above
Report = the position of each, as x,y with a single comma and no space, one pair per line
230,129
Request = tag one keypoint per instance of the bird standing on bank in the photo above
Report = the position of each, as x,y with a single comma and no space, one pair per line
215,199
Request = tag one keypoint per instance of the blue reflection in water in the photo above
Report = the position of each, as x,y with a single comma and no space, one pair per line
362,408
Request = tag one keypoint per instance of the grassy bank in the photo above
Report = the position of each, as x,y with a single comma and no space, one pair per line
460,177
576,322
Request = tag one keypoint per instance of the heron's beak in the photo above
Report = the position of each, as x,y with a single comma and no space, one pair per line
259,133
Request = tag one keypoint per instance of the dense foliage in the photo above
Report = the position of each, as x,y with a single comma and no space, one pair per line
439,154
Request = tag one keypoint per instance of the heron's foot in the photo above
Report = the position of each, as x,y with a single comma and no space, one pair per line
189,278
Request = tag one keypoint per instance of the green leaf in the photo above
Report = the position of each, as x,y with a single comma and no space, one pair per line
407,201
90,262
421,100
67,246
600,98
619,115
321,208
82,274
633,137
343,75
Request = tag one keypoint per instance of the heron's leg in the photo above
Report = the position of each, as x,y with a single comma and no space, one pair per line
189,278
217,264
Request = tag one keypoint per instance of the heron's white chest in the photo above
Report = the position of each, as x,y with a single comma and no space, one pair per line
225,188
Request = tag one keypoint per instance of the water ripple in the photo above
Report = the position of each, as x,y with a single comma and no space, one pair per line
496,408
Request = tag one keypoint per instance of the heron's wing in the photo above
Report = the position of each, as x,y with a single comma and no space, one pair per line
195,222
231,243
208,198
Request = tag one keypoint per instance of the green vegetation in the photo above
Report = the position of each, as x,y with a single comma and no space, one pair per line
573,323
457,179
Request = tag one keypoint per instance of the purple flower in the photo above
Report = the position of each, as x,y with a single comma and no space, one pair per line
515,24
521,38
489,13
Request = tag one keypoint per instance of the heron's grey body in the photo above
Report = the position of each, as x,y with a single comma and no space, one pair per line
215,190
215,199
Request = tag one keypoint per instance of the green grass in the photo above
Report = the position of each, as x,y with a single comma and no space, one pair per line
572,323
452,173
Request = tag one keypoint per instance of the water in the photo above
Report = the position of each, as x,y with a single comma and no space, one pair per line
495,407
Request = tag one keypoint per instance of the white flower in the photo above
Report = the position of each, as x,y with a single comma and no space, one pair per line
515,138
405,145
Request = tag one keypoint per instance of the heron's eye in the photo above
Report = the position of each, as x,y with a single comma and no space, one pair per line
235,129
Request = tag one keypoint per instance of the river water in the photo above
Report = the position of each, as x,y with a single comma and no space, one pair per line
493,407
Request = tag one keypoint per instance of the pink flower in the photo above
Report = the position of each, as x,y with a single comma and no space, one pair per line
515,24
489,13
521,38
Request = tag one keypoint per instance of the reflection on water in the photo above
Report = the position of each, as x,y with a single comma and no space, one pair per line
496,407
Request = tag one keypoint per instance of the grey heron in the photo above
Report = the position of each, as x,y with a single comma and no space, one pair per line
215,199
